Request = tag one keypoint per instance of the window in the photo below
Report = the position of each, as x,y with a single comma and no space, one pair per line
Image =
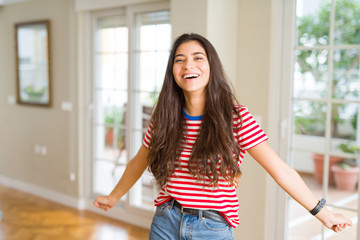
130,53
110,98
149,54
325,111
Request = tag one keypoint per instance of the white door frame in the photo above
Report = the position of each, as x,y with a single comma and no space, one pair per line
281,46
133,215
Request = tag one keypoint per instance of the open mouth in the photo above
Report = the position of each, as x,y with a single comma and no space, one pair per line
191,76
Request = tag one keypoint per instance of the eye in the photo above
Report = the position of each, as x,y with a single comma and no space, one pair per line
198,58
178,60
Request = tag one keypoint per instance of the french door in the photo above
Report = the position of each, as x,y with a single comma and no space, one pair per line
324,108
130,49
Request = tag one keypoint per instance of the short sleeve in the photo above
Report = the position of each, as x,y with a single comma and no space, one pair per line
250,133
147,137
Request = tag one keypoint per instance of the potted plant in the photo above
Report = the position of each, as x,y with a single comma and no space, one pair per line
346,172
113,117
318,160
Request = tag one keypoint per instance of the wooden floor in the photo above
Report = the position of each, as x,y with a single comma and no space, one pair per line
27,217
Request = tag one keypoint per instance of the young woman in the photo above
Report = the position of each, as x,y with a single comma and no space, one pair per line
194,146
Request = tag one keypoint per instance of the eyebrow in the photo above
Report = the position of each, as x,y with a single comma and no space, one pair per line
195,53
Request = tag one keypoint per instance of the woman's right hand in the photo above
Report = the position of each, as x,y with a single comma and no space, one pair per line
105,202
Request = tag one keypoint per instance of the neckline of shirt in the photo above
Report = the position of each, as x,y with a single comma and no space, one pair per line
187,116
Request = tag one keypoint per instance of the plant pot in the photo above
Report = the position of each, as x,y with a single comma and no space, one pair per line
345,179
318,160
109,137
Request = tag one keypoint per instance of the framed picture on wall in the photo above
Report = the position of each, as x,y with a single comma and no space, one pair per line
33,68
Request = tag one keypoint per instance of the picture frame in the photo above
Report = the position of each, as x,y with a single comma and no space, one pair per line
33,65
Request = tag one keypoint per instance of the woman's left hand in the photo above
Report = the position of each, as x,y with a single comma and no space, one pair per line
335,222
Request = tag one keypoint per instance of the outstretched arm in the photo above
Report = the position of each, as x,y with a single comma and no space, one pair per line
291,182
134,169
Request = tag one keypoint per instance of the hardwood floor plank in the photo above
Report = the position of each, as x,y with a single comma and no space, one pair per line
27,217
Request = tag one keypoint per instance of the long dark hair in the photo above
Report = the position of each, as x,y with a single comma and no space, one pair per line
215,142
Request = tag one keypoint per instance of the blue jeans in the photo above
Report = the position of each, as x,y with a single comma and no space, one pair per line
170,224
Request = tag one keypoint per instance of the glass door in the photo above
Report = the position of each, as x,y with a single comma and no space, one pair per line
149,54
110,94
130,55
325,112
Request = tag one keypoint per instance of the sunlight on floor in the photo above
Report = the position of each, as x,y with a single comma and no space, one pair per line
111,233
303,226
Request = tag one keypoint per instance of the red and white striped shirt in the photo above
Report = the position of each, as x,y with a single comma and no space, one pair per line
190,192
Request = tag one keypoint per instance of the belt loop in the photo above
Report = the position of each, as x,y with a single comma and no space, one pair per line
172,201
200,214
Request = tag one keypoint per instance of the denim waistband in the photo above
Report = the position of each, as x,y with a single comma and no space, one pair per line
210,214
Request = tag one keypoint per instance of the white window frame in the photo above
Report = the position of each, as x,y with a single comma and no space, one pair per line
127,212
282,46
133,34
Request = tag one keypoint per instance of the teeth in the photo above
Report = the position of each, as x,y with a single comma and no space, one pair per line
191,76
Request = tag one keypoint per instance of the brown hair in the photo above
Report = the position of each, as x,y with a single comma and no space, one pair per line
215,141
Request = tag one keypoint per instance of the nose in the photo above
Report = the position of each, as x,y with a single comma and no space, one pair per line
189,64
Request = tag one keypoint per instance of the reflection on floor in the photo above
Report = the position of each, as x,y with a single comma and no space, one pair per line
29,217
303,226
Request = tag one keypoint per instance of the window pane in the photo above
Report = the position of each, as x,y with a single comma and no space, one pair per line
103,181
347,22
110,143
110,107
110,100
305,160
143,109
121,146
112,70
106,176
153,67
309,119
104,143
154,29
151,52
309,161
111,34
111,53
346,142
312,18
344,121
311,74
347,74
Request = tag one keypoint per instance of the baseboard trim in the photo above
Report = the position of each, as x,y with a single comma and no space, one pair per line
42,192
137,217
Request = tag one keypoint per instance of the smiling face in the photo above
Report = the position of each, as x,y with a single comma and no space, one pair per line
191,68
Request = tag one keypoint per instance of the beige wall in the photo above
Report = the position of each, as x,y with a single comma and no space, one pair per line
252,91
22,127
240,32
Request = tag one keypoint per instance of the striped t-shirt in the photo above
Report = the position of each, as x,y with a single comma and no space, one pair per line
190,192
